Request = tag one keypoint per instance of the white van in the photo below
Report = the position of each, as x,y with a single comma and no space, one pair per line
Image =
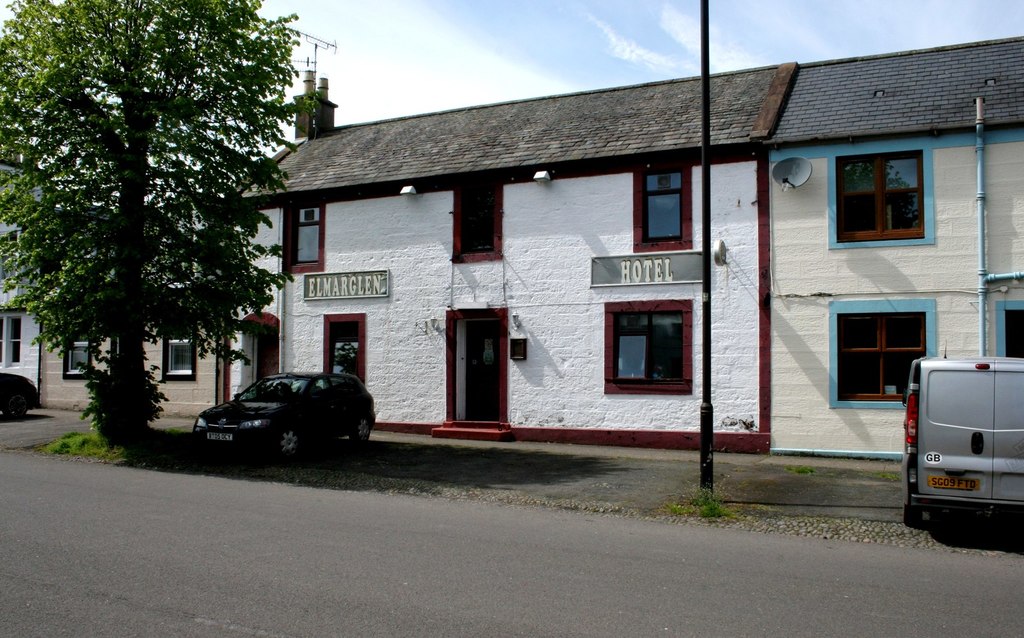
964,429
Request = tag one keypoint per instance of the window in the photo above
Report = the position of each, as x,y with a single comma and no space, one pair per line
871,346
875,353
1009,318
345,344
880,197
179,360
10,341
477,223
648,347
305,231
76,359
662,211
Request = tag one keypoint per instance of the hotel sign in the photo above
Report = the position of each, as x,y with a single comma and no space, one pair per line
346,285
643,269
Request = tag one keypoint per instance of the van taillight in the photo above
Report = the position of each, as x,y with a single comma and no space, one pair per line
910,420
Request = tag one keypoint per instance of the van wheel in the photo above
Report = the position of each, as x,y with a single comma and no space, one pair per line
912,518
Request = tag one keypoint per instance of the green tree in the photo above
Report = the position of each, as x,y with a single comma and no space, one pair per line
141,129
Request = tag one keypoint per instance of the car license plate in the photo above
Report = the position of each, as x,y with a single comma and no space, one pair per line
954,483
219,436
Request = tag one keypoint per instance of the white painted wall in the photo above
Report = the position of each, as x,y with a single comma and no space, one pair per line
807,275
550,233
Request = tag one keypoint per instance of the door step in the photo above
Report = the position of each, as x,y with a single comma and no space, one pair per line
473,433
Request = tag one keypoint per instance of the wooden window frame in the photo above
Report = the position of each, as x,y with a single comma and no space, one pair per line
881,349
880,190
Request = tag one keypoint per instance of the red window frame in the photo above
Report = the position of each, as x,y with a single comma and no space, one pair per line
291,237
360,320
614,385
640,241
494,254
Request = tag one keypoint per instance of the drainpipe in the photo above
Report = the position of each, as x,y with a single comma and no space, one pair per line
984,277
979,147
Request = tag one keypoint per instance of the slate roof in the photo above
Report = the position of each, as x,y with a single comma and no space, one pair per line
926,90
539,132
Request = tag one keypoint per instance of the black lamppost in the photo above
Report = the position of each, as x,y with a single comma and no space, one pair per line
707,410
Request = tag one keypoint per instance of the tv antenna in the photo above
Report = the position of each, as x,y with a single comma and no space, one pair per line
318,43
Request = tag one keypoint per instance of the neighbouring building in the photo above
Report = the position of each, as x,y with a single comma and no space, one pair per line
914,189
530,270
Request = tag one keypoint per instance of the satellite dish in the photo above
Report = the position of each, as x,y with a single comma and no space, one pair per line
791,173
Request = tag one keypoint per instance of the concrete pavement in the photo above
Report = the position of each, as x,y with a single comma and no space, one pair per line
632,479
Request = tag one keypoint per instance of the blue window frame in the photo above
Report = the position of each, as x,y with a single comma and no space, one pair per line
1008,315
895,313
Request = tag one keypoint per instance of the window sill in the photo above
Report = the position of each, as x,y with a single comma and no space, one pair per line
662,246
647,387
305,268
467,258
180,377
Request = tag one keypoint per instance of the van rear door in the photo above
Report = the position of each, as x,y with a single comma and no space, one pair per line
1008,446
955,429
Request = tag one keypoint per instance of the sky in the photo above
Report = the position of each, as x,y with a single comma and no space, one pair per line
392,58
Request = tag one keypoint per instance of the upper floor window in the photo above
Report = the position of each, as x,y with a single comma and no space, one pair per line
179,359
648,347
305,232
662,211
477,223
880,197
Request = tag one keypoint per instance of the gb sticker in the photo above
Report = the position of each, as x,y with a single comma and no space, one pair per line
932,458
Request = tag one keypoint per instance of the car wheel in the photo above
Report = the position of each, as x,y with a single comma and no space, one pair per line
362,432
288,441
16,405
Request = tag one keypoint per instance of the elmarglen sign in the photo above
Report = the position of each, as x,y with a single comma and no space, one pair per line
346,285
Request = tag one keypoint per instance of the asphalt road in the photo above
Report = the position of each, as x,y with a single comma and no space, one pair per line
89,549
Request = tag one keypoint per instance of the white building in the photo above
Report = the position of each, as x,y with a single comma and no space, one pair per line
527,270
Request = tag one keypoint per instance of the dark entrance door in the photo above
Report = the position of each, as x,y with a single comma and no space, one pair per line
483,364
1014,333
267,354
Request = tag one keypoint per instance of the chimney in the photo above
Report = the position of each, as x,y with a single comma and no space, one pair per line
309,125
326,107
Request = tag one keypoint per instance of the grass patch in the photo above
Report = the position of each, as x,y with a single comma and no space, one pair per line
157,448
704,504
87,444
800,469
888,476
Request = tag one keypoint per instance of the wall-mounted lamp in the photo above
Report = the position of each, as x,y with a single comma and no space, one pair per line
408,190
515,321
542,176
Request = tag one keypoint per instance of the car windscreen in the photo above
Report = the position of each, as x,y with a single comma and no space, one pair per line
274,390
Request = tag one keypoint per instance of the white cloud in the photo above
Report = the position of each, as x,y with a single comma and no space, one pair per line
725,54
628,50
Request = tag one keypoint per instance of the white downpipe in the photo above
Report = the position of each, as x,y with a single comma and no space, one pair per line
979,146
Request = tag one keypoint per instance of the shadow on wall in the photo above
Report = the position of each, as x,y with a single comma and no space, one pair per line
814,371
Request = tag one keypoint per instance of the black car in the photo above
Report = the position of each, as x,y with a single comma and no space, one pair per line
17,395
291,412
